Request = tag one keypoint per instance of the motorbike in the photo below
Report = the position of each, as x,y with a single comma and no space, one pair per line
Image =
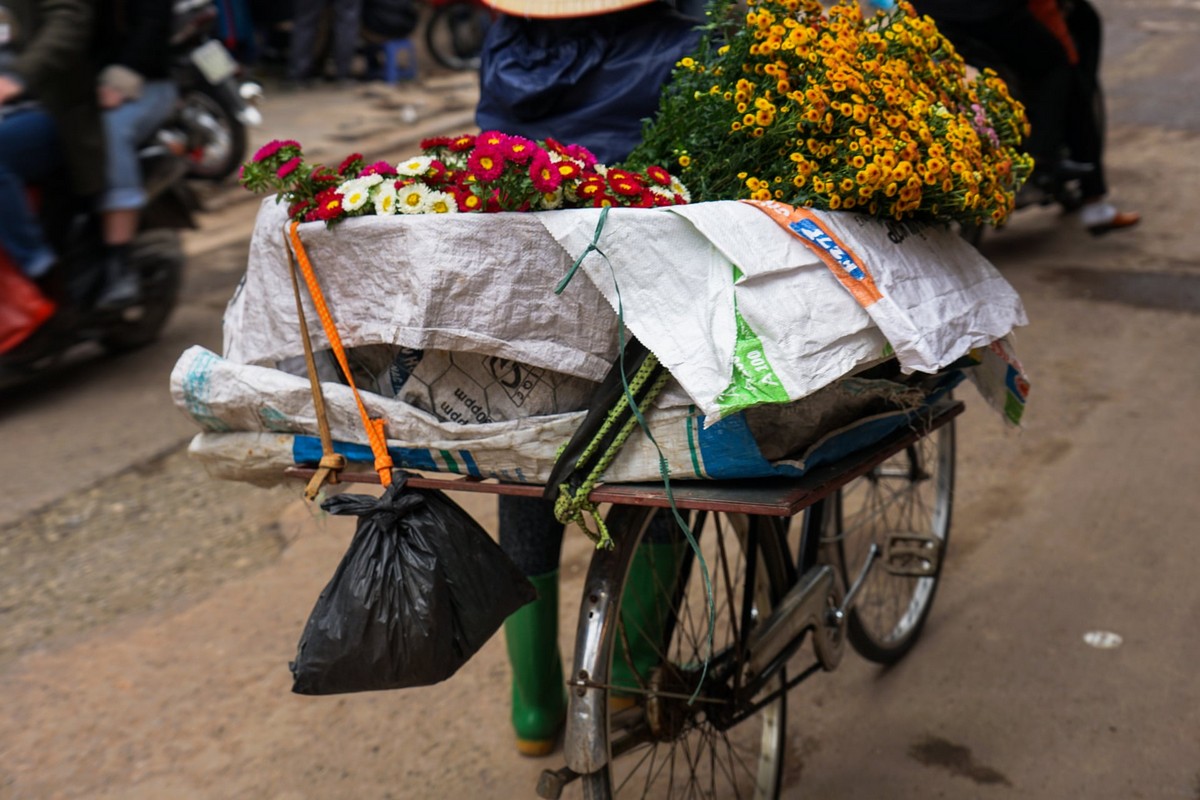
454,32
66,296
216,105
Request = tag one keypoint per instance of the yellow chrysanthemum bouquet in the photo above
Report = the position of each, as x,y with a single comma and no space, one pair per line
831,109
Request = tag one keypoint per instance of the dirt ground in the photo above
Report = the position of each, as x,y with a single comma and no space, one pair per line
147,620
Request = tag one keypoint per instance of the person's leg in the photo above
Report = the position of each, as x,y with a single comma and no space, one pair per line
125,128
302,50
29,153
532,538
347,22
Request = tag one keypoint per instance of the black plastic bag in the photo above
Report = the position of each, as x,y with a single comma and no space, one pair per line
421,588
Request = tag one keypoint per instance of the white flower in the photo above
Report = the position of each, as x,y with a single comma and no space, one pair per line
678,188
552,199
600,169
385,198
415,166
356,192
442,203
413,198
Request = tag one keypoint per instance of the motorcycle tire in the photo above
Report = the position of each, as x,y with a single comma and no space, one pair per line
454,34
158,257
216,138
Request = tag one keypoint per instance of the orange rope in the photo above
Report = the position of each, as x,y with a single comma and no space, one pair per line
374,427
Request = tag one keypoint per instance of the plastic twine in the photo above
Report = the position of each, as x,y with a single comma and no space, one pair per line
663,466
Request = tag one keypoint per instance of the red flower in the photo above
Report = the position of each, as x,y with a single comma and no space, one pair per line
625,183
435,142
486,163
646,200
603,201
351,165
437,173
299,209
542,172
567,170
466,199
463,143
659,175
322,176
329,204
592,186
555,146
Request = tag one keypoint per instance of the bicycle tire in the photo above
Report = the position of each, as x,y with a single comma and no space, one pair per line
906,499
659,746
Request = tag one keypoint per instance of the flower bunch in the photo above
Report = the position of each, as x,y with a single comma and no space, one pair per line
832,109
488,172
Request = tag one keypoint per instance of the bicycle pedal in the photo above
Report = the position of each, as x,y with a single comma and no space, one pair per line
911,555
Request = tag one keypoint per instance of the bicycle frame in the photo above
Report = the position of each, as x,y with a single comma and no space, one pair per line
814,600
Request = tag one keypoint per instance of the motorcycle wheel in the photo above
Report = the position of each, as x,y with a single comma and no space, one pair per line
158,257
216,139
454,34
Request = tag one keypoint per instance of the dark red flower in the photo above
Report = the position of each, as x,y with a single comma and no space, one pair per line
329,204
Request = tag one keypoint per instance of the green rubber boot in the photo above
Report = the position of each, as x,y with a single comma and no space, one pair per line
645,606
539,693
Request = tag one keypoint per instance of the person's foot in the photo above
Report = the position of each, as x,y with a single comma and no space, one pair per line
1100,217
121,286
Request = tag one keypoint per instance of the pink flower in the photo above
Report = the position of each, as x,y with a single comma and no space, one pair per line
271,148
581,154
520,149
543,173
486,163
288,167
490,139
379,168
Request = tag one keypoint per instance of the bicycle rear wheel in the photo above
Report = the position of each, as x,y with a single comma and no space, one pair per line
658,744
902,507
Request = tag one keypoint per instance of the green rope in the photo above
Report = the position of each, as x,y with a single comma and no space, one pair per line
576,508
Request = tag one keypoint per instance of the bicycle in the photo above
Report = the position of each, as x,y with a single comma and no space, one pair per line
851,551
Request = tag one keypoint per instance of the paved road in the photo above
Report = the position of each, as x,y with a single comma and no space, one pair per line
1084,522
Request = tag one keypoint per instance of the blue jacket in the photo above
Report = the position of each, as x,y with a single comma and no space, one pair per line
589,81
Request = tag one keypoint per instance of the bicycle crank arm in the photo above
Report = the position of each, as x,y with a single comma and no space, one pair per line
811,603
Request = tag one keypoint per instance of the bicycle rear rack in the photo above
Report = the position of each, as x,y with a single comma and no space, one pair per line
774,497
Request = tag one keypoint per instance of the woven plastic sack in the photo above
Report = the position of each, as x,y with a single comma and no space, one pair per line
23,307
420,589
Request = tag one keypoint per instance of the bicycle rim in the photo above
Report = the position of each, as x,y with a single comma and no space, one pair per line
659,745
903,507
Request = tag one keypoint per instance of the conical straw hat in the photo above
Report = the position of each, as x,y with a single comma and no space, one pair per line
555,9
